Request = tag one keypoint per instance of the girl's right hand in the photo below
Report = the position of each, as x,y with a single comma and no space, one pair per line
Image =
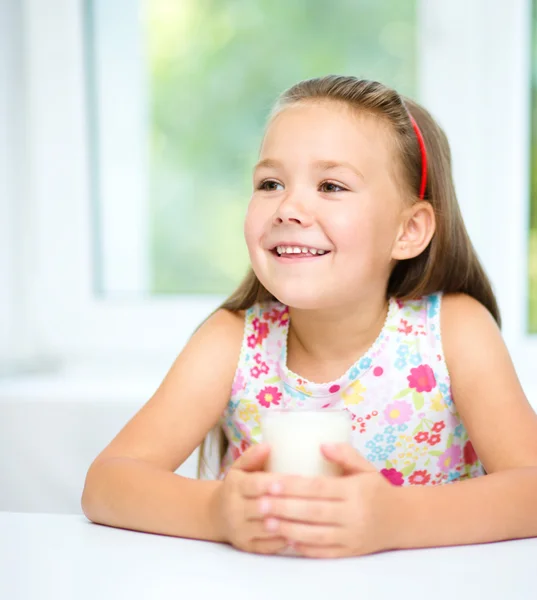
237,499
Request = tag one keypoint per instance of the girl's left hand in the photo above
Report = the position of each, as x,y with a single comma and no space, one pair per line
327,517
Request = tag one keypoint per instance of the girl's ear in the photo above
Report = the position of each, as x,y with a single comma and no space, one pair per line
417,228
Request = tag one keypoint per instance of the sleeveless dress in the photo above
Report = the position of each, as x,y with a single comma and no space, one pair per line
398,394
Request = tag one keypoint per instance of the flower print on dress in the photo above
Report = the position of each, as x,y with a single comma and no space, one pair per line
252,340
235,433
470,456
353,373
256,371
354,393
298,394
422,379
415,359
394,476
421,477
446,393
422,436
249,411
434,439
365,363
398,412
238,383
437,402
391,406
400,363
449,458
444,388
433,305
262,332
269,395
438,426
277,316
403,350
236,451
404,327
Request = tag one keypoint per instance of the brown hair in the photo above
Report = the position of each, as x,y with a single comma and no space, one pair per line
449,263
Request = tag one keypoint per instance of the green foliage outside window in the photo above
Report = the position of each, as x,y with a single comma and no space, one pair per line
215,68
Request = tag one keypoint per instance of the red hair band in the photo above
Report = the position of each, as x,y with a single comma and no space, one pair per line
423,184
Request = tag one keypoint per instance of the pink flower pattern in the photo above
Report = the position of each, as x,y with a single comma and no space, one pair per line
398,395
398,412
422,378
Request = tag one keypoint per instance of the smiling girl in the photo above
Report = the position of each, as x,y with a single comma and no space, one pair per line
365,295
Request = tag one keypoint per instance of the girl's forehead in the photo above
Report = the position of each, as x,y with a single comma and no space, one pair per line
330,129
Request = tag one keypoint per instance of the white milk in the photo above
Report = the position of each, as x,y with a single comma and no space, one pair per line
295,437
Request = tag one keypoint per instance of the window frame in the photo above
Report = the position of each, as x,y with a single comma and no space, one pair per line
458,42
486,48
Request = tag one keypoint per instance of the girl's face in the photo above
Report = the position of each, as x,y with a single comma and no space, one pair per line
326,209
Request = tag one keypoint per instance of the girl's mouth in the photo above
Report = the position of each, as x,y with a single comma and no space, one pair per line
298,251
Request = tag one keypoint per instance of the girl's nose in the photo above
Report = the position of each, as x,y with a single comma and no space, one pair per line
290,210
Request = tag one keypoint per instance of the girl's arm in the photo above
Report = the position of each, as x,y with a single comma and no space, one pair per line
503,428
132,483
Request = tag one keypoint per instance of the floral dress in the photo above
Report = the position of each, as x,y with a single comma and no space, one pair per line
398,394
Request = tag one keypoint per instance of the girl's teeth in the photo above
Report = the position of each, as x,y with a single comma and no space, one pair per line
296,250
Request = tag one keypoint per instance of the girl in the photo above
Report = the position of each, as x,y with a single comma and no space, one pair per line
365,294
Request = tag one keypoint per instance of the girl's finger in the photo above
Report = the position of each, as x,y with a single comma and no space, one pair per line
348,458
305,533
253,459
255,529
327,488
253,485
327,512
271,545
312,551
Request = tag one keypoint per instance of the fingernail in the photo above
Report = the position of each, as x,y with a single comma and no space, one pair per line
271,524
276,488
264,506
329,447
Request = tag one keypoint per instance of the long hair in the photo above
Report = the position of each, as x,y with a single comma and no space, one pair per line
449,263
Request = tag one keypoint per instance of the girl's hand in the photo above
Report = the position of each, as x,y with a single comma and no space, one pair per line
243,486
329,517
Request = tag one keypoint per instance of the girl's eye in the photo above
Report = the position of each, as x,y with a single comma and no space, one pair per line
330,187
269,185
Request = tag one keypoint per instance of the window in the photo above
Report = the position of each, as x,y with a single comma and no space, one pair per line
532,246
105,146
179,93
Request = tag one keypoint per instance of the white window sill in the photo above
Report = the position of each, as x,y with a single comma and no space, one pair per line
53,425
133,383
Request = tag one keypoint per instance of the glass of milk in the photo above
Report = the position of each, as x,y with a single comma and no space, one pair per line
295,438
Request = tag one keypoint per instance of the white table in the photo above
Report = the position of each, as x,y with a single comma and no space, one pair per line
45,556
